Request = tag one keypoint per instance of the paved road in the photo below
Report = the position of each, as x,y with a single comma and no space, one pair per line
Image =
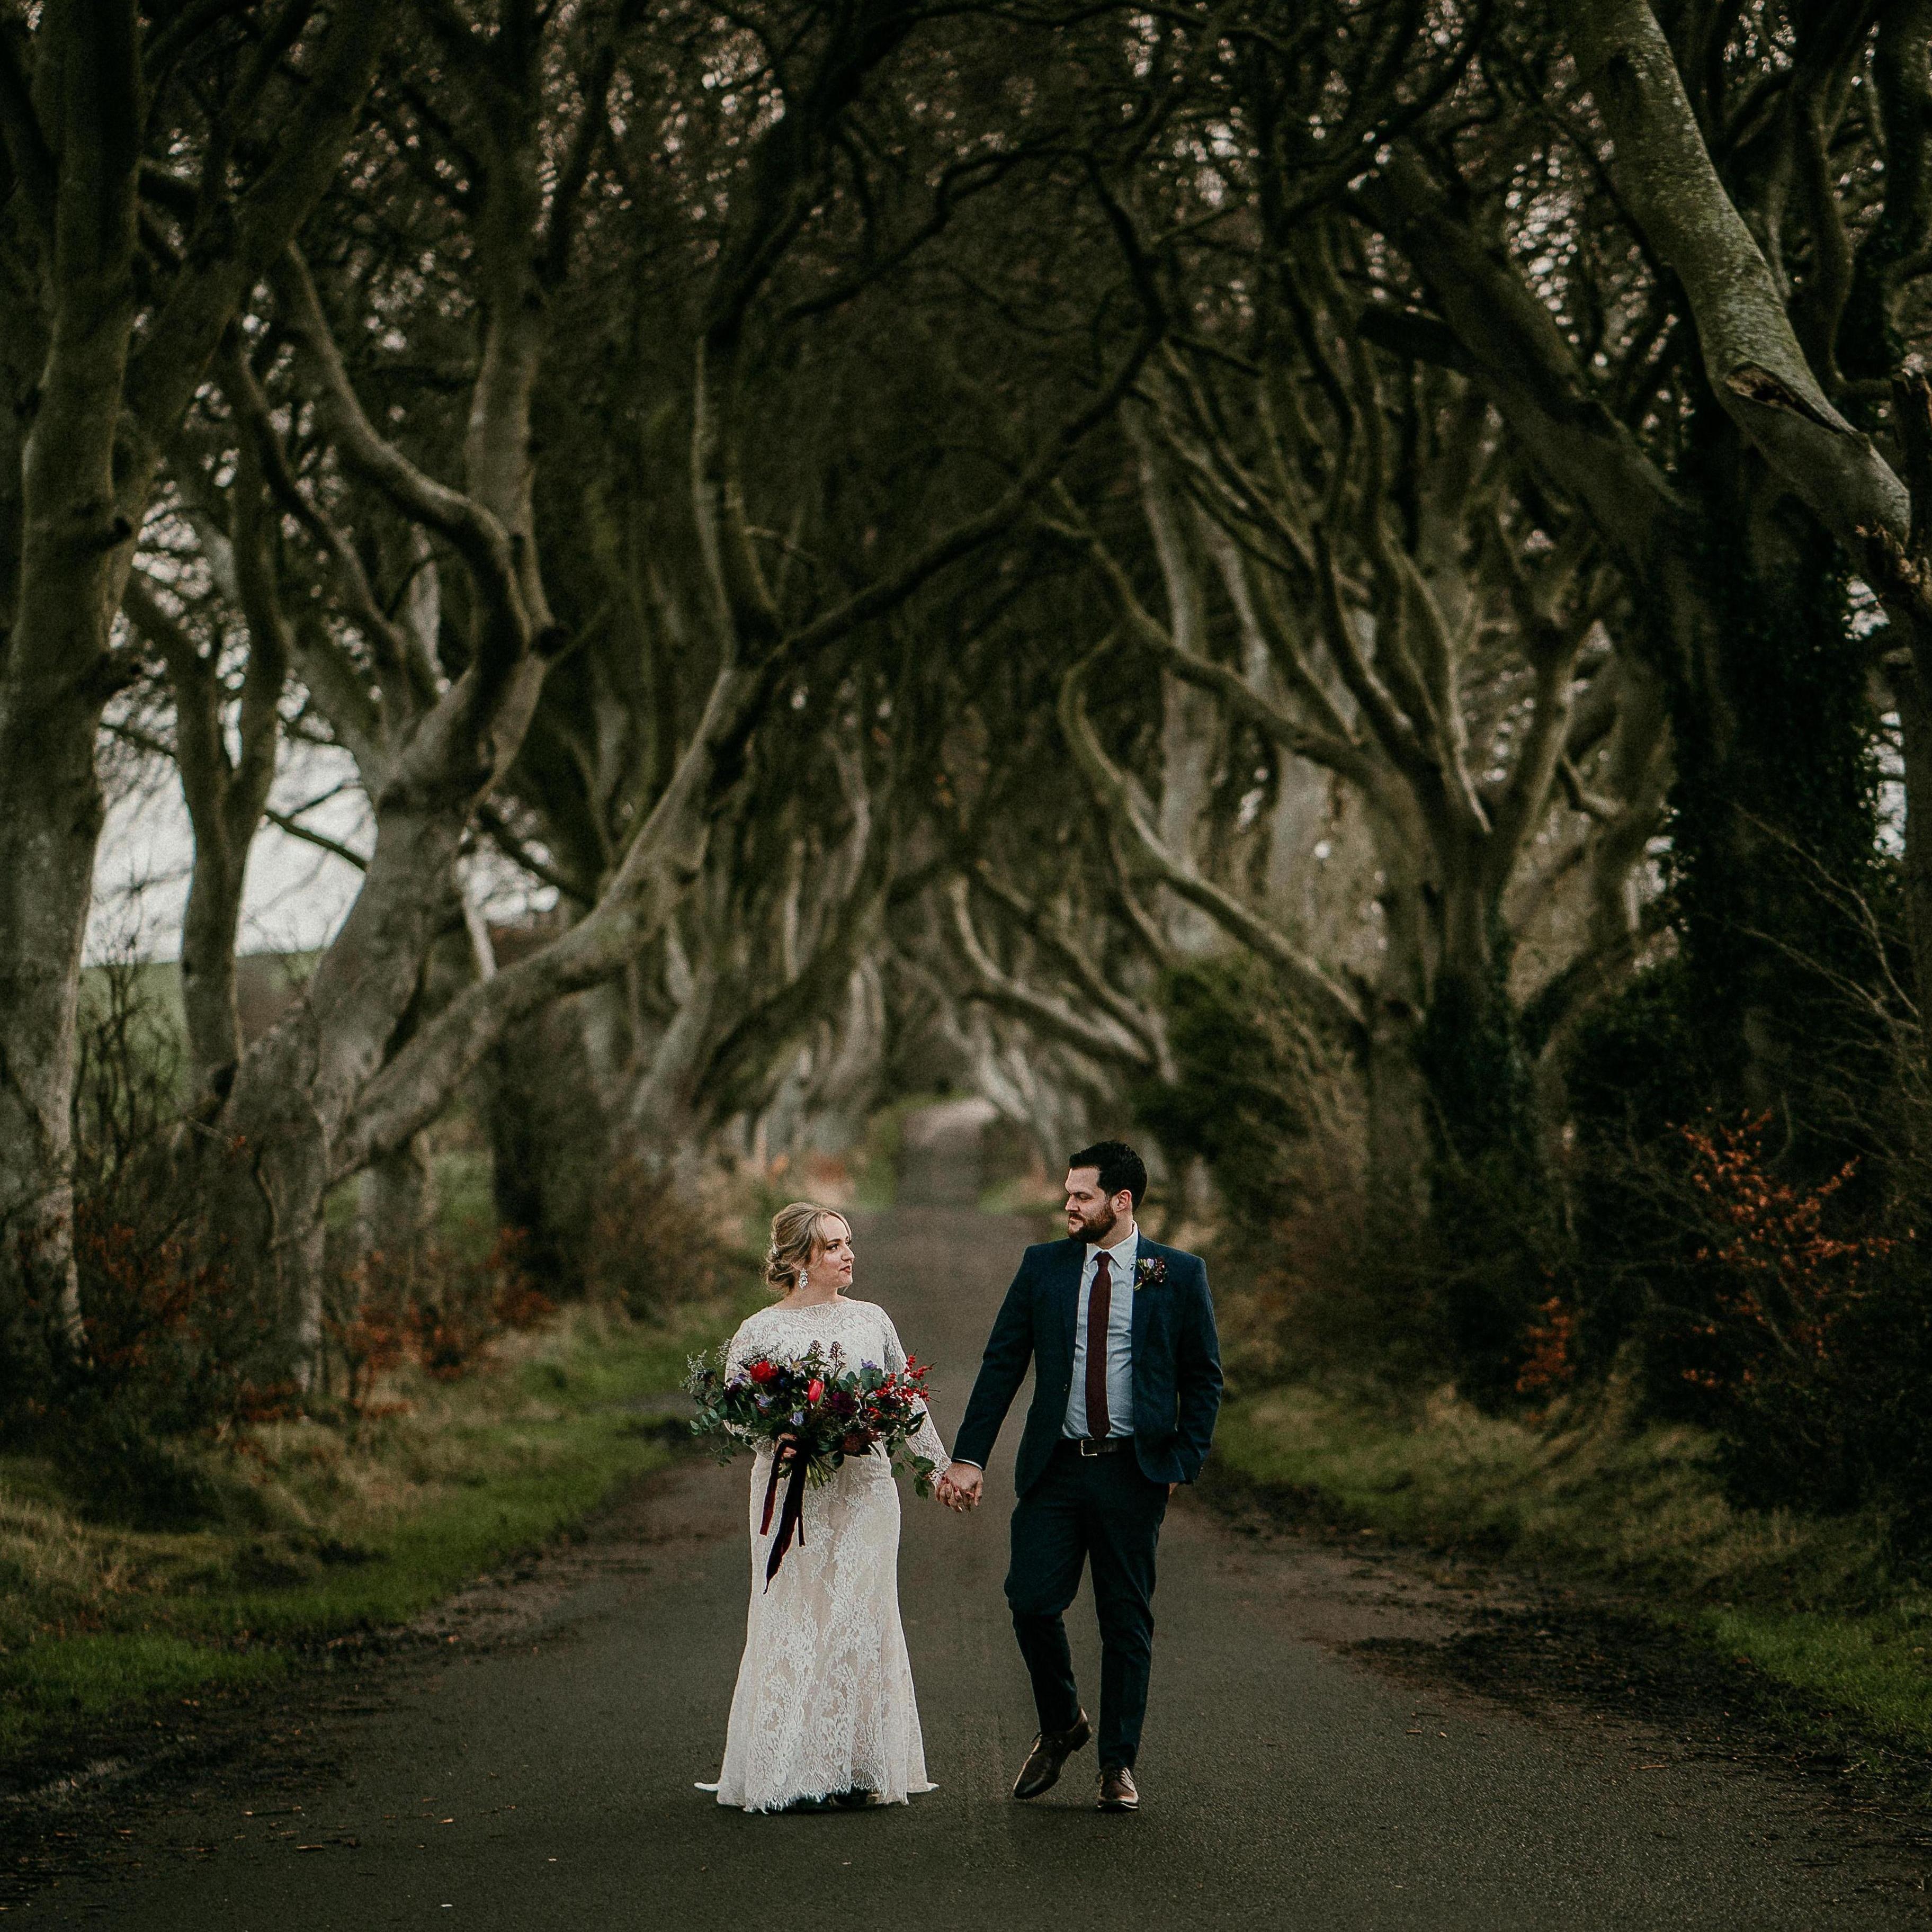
544,1780
940,1163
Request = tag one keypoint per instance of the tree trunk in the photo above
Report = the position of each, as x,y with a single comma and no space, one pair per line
1191,738
87,473
1396,1099
1772,812
50,816
552,1134
54,674
397,1211
1469,1047
209,1002
295,1087
1915,723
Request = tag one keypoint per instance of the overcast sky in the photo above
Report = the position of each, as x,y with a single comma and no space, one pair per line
296,893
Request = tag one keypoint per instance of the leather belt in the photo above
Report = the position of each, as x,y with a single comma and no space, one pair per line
1089,1447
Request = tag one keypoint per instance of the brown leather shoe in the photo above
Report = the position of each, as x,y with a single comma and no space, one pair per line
1117,1790
1051,1749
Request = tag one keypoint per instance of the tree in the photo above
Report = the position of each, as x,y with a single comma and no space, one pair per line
154,170
442,624
1639,326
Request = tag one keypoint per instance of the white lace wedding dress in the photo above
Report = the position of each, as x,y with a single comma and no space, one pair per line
824,1702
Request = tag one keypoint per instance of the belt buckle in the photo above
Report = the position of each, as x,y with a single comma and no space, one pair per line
1087,1448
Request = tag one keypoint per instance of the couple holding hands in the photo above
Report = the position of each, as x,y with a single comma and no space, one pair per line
1119,1331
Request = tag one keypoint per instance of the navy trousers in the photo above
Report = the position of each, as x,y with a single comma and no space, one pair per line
1100,1511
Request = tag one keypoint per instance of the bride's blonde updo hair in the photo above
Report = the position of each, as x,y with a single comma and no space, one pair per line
795,1238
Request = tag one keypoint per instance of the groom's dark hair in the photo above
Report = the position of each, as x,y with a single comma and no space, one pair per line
1119,1167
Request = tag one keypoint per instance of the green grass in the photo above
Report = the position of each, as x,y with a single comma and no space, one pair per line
1591,1497
467,1222
1871,1665
64,1679
325,1530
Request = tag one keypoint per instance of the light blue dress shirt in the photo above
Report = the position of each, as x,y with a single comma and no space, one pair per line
1119,1338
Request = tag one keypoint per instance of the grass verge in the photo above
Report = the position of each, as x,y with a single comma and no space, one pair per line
1591,1497
322,1530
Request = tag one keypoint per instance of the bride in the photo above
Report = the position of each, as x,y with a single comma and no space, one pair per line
824,1713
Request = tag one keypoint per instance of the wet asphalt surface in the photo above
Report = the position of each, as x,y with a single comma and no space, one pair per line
529,1762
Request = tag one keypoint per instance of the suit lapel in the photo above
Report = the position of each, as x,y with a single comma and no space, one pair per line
1143,1302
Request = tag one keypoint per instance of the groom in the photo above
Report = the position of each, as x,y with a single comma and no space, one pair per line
1126,1381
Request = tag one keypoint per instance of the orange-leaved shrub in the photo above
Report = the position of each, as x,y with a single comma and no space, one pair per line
1550,1361
166,1332
443,1312
367,1330
1777,1329
1779,1281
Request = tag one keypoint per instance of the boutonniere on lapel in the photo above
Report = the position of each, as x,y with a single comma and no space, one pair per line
1149,1272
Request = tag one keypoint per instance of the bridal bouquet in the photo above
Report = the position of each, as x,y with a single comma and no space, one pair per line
820,1411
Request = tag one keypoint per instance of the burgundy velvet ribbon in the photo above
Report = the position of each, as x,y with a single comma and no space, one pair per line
791,1517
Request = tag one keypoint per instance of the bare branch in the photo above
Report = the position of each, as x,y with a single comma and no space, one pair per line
1053,936
1757,371
1104,1039
1117,799
283,821
479,538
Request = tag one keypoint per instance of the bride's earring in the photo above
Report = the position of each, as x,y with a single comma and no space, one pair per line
804,1276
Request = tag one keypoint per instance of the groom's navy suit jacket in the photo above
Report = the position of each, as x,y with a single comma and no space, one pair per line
1177,1364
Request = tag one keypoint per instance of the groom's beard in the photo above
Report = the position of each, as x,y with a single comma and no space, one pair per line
1095,1231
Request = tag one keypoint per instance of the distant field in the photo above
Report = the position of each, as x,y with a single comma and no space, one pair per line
265,983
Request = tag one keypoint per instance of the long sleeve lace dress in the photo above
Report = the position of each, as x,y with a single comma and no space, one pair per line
824,1703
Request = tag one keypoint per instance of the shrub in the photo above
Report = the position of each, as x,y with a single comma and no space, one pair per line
1788,1314
442,1311
1247,1097
1636,1066
368,1327
1268,1103
168,1341
1777,1340
1485,1267
652,1247
166,1351
1549,1364
1779,1282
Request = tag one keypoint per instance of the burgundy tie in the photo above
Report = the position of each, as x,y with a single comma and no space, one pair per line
1099,1302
